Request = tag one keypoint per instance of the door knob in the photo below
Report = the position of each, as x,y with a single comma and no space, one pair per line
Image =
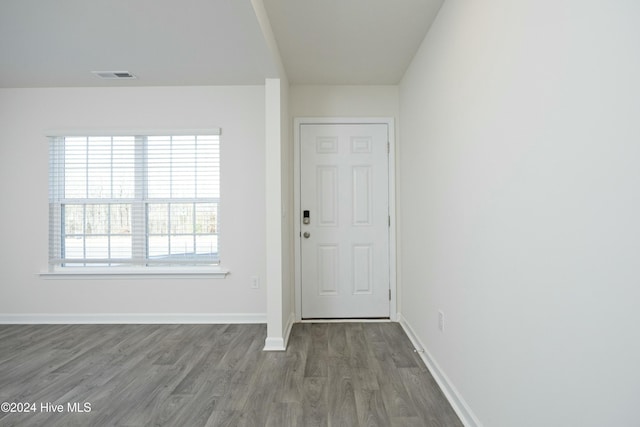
306,234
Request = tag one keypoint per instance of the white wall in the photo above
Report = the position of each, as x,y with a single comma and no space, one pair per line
288,256
343,101
25,117
278,188
520,187
278,195
275,340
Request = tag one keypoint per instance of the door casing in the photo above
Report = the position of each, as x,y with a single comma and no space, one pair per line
393,312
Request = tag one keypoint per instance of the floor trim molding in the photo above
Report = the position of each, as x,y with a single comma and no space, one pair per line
287,329
278,343
274,344
461,408
132,318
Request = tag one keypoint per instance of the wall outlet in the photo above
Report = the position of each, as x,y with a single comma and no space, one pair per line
441,320
255,282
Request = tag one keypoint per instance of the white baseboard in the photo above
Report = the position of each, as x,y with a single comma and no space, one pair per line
287,329
274,344
461,408
280,343
134,318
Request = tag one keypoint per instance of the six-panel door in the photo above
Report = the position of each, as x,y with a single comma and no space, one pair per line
345,236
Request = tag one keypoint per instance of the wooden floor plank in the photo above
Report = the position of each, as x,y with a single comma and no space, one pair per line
428,398
316,365
332,374
314,402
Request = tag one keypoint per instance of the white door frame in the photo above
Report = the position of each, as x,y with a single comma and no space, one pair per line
297,122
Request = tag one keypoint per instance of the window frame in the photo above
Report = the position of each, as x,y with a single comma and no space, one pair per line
57,201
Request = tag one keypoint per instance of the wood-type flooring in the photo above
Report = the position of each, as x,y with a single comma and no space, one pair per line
332,374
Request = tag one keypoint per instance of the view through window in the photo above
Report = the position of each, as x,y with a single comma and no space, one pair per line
134,200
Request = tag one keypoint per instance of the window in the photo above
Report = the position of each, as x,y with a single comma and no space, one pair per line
118,201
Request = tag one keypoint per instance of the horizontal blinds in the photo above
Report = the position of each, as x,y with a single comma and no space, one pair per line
143,200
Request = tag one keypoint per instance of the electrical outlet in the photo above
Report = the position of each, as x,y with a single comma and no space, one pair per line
441,320
255,282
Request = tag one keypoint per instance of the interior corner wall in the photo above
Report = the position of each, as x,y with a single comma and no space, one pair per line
26,115
277,219
519,181
288,260
279,193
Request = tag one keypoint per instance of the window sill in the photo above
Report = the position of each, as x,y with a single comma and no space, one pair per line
133,273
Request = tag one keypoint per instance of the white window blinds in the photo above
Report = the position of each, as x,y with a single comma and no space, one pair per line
134,200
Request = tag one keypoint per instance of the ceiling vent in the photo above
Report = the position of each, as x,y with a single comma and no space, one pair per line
114,75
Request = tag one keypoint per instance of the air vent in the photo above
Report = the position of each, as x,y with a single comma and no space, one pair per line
114,75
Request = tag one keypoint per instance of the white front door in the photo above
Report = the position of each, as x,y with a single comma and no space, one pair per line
344,206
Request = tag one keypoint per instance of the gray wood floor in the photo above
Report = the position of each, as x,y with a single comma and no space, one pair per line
333,374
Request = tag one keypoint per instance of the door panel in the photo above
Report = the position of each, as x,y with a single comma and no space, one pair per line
345,244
